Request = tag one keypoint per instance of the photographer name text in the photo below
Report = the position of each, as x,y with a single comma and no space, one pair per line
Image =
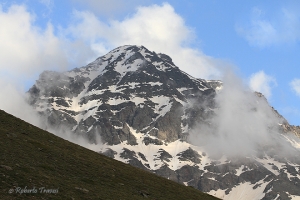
34,190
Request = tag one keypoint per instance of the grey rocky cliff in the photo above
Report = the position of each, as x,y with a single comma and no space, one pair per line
141,108
116,106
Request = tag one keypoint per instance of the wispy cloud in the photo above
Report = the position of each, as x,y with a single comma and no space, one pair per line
49,5
109,8
262,31
256,125
263,83
295,85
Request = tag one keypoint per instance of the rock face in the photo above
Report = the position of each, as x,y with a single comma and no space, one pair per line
129,87
142,108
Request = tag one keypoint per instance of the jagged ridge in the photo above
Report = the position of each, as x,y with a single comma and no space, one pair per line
142,107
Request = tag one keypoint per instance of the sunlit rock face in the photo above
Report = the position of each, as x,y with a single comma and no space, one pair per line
140,108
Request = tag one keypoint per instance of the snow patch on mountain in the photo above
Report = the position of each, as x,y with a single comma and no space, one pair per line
136,106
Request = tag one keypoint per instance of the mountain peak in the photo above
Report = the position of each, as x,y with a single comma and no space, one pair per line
127,77
136,106
131,58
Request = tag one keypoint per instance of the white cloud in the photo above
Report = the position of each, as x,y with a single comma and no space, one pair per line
263,83
12,100
158,28
25,51
242,123
295,84
25,48
263,32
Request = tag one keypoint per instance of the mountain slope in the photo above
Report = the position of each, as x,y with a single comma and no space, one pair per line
141,109
33,158
130,84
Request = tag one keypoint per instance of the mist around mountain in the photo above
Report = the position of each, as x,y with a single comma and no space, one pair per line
138,107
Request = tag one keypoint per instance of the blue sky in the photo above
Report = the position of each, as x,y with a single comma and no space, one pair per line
258,39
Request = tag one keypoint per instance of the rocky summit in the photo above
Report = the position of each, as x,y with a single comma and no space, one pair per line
138,107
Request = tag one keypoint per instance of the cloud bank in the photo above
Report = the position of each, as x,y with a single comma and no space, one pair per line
243,123
25,48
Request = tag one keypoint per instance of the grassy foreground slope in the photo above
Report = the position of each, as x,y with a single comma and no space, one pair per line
44,166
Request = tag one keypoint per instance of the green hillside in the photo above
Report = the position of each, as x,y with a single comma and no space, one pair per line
44,166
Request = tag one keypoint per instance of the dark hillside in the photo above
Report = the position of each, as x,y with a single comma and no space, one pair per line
48,167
